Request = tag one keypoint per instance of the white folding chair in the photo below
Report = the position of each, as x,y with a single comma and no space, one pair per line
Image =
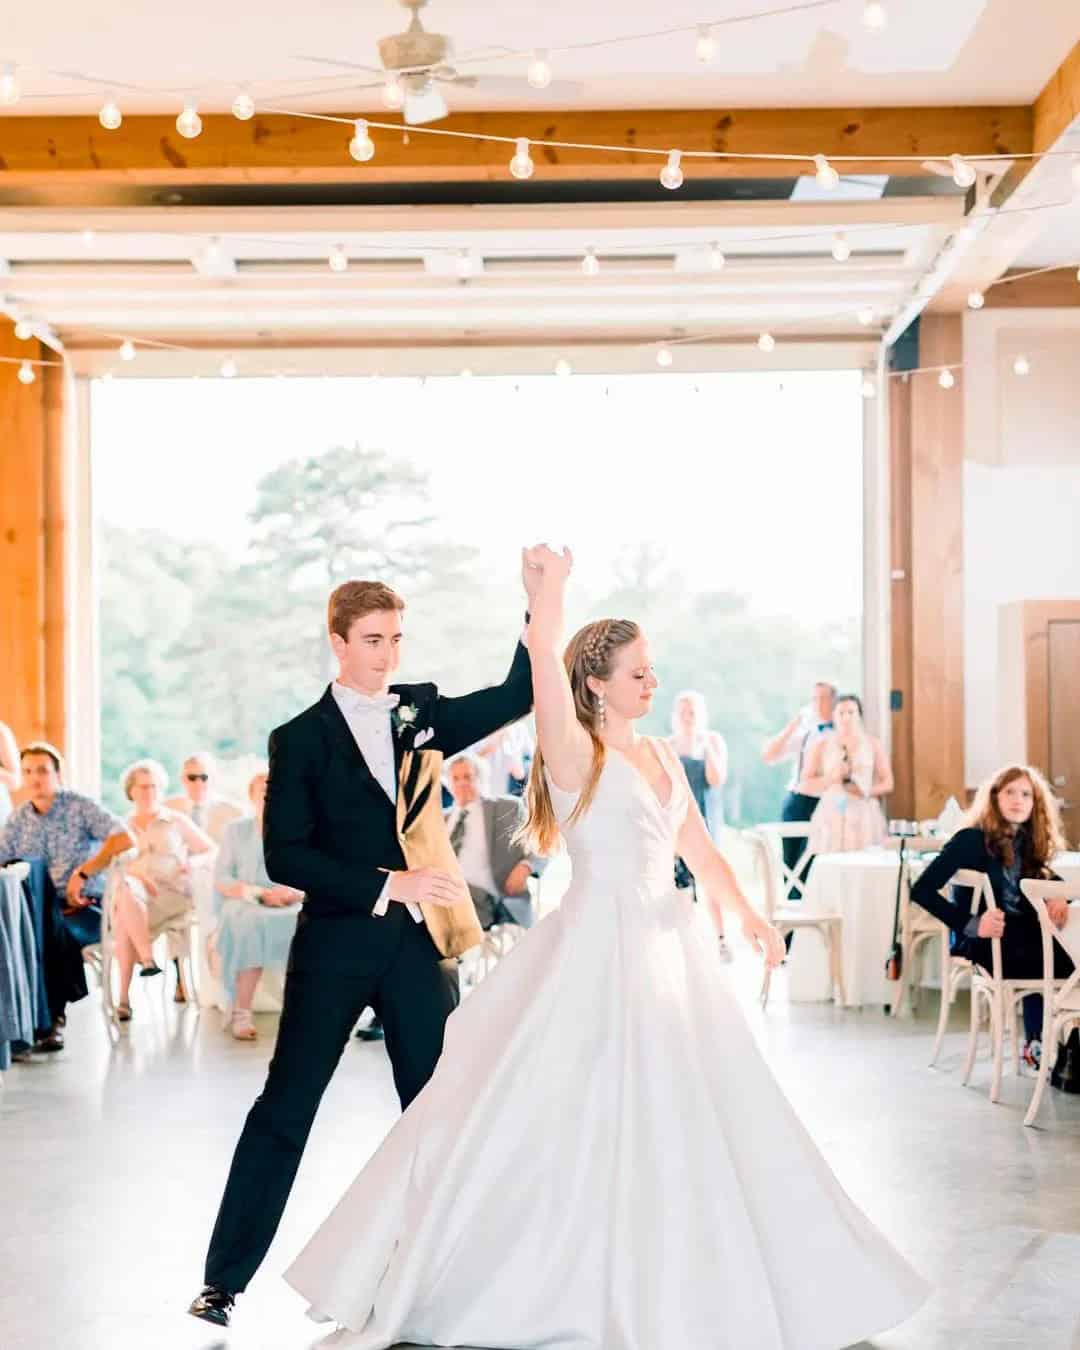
788,916
1061,998
99,956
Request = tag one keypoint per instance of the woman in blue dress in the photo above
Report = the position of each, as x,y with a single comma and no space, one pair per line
256,919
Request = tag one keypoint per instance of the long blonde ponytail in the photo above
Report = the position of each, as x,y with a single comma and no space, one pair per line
591,651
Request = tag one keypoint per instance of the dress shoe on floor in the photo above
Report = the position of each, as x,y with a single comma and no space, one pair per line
1066,1073
213,1305
48,1045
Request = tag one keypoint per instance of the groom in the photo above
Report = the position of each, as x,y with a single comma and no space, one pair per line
353,818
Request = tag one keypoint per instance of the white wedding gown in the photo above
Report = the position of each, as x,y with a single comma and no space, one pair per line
603,1161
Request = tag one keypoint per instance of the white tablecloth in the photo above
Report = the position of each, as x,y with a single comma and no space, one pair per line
861,887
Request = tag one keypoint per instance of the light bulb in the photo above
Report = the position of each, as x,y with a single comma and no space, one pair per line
464,264
361,147
228,368
1022,366
26,374
869,388
563,366
976,300
963,175
521,166
716,258
705,47
841,249
766,342
539,75
466,373
24,330
9,85
339,259
671,175
664,356
89,237
243,106
827,176
865,316
107,377
189,123
110,115
946,379
590,264
393,92
874,15
127,350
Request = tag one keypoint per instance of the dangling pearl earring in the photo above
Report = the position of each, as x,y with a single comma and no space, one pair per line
601,706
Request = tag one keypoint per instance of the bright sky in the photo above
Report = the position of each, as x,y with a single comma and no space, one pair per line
751,482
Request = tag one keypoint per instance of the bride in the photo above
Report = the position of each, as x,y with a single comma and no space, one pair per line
602,1160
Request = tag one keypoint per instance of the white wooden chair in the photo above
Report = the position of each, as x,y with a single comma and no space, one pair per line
1061,998
788,916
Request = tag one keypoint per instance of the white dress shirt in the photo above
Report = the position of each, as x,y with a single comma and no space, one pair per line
797,746
474,856
368,718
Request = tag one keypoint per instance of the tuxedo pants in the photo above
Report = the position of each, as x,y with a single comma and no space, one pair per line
413,995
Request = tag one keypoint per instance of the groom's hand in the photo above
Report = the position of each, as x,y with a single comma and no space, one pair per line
427,886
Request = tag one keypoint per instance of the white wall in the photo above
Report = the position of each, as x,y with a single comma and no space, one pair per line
1021,495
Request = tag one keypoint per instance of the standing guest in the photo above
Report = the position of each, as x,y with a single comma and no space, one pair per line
850,772
1012,832
10,774
793,744
200,801
77,839
256,918
482,828
704,756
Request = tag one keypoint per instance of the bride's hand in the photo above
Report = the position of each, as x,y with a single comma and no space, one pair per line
540,565
764,938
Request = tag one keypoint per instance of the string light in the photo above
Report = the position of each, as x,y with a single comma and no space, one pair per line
963,175
26,373
110,115
705,47
339,259
361,147
664,356
464,264
865,316
539,74
9,85
563,367
766,342
1022,366
24,330
228,368
590,264
671,175
716,258
869,388
976,300
841,249
127,350
874,15
827,176
89,237
243,106
946,379
521,166
189,123
393,92
466,373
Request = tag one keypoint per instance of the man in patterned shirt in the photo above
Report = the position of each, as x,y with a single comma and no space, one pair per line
77,839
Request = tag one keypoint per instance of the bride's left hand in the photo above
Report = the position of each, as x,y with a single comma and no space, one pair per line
764,938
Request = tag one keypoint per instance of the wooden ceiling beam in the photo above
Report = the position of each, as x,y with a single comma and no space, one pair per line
274,149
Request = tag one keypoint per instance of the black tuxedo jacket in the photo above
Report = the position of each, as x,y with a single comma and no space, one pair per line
329,828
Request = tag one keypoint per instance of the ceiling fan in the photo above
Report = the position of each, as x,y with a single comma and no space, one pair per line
416,65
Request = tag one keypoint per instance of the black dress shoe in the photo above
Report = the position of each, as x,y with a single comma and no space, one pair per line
152,969
213,1305
48,1045
1066,1071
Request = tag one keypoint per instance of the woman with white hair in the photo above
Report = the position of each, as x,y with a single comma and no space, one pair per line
256,919
156,888
704,756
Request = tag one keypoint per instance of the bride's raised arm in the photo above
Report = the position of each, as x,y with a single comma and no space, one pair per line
564,743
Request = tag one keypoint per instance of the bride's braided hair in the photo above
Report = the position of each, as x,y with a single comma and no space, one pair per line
591,651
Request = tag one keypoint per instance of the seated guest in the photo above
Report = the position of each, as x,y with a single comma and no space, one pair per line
200,801
850,773
256,918
495,867
10,775
1013,831
77,839
156,890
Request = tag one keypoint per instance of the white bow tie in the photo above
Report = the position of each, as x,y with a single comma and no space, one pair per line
356,702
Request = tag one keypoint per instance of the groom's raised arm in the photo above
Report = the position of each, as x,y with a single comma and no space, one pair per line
460,722
289,831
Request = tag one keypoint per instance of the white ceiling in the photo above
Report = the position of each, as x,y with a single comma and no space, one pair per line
932,52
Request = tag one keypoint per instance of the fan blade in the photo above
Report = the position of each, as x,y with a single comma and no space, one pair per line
341,65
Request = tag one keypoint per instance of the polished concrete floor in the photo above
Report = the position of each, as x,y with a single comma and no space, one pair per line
112,1161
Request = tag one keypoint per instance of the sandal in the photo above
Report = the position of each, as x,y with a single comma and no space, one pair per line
123,1012
242,1026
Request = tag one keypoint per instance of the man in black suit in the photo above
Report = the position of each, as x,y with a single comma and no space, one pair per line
351,783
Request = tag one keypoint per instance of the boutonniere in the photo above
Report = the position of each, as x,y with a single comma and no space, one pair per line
404,716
